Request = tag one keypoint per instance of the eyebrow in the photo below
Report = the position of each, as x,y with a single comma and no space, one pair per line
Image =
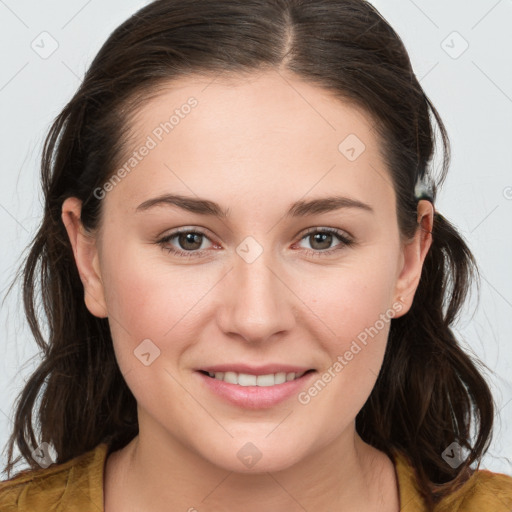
298,209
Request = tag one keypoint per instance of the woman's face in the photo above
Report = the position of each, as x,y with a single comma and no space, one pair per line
289,260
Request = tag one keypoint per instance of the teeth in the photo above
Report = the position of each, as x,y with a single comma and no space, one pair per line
246,379
230,377
280,378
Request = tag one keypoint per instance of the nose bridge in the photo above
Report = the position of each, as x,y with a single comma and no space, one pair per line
258,304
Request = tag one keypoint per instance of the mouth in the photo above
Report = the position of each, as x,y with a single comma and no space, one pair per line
250,387
251,379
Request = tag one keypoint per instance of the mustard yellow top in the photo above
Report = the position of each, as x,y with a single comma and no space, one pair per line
77,486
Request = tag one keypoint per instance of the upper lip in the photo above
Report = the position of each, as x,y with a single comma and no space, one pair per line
254,370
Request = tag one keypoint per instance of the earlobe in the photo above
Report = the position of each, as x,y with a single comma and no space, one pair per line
413,256
85,251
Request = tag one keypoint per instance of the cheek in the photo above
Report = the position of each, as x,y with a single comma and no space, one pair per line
356,308
354,302
148,299
154,319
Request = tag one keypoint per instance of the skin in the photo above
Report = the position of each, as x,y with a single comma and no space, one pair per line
254,144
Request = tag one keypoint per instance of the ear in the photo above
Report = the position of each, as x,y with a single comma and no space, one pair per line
85,250
413,256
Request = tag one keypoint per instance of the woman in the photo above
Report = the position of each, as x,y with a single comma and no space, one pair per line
245,279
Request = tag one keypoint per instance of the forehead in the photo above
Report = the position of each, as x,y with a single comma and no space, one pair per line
257,105
247,134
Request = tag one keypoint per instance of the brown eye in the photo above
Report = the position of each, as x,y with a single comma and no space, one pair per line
190,241
185,242
321,241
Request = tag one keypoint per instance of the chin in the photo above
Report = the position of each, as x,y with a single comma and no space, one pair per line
254,457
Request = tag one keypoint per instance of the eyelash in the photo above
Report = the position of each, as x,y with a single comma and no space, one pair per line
344,239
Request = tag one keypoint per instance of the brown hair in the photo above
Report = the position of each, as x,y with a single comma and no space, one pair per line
429,392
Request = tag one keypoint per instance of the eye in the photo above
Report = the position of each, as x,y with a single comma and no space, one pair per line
189,242
320,240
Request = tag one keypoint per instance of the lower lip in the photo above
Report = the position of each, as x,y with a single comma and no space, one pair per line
255,397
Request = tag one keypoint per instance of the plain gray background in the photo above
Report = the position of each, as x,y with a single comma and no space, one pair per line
461,52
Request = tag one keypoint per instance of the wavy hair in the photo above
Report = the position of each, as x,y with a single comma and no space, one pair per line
429,392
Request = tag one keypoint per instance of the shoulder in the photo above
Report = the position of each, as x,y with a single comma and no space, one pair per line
74,485
484,491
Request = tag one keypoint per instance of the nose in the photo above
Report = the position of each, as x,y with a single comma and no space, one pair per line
257,300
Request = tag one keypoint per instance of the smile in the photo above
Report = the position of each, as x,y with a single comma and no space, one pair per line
260,389
247,379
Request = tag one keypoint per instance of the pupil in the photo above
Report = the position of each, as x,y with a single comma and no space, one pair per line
193,240
323,237
187,240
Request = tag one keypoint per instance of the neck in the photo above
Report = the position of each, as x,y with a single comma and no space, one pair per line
153,471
